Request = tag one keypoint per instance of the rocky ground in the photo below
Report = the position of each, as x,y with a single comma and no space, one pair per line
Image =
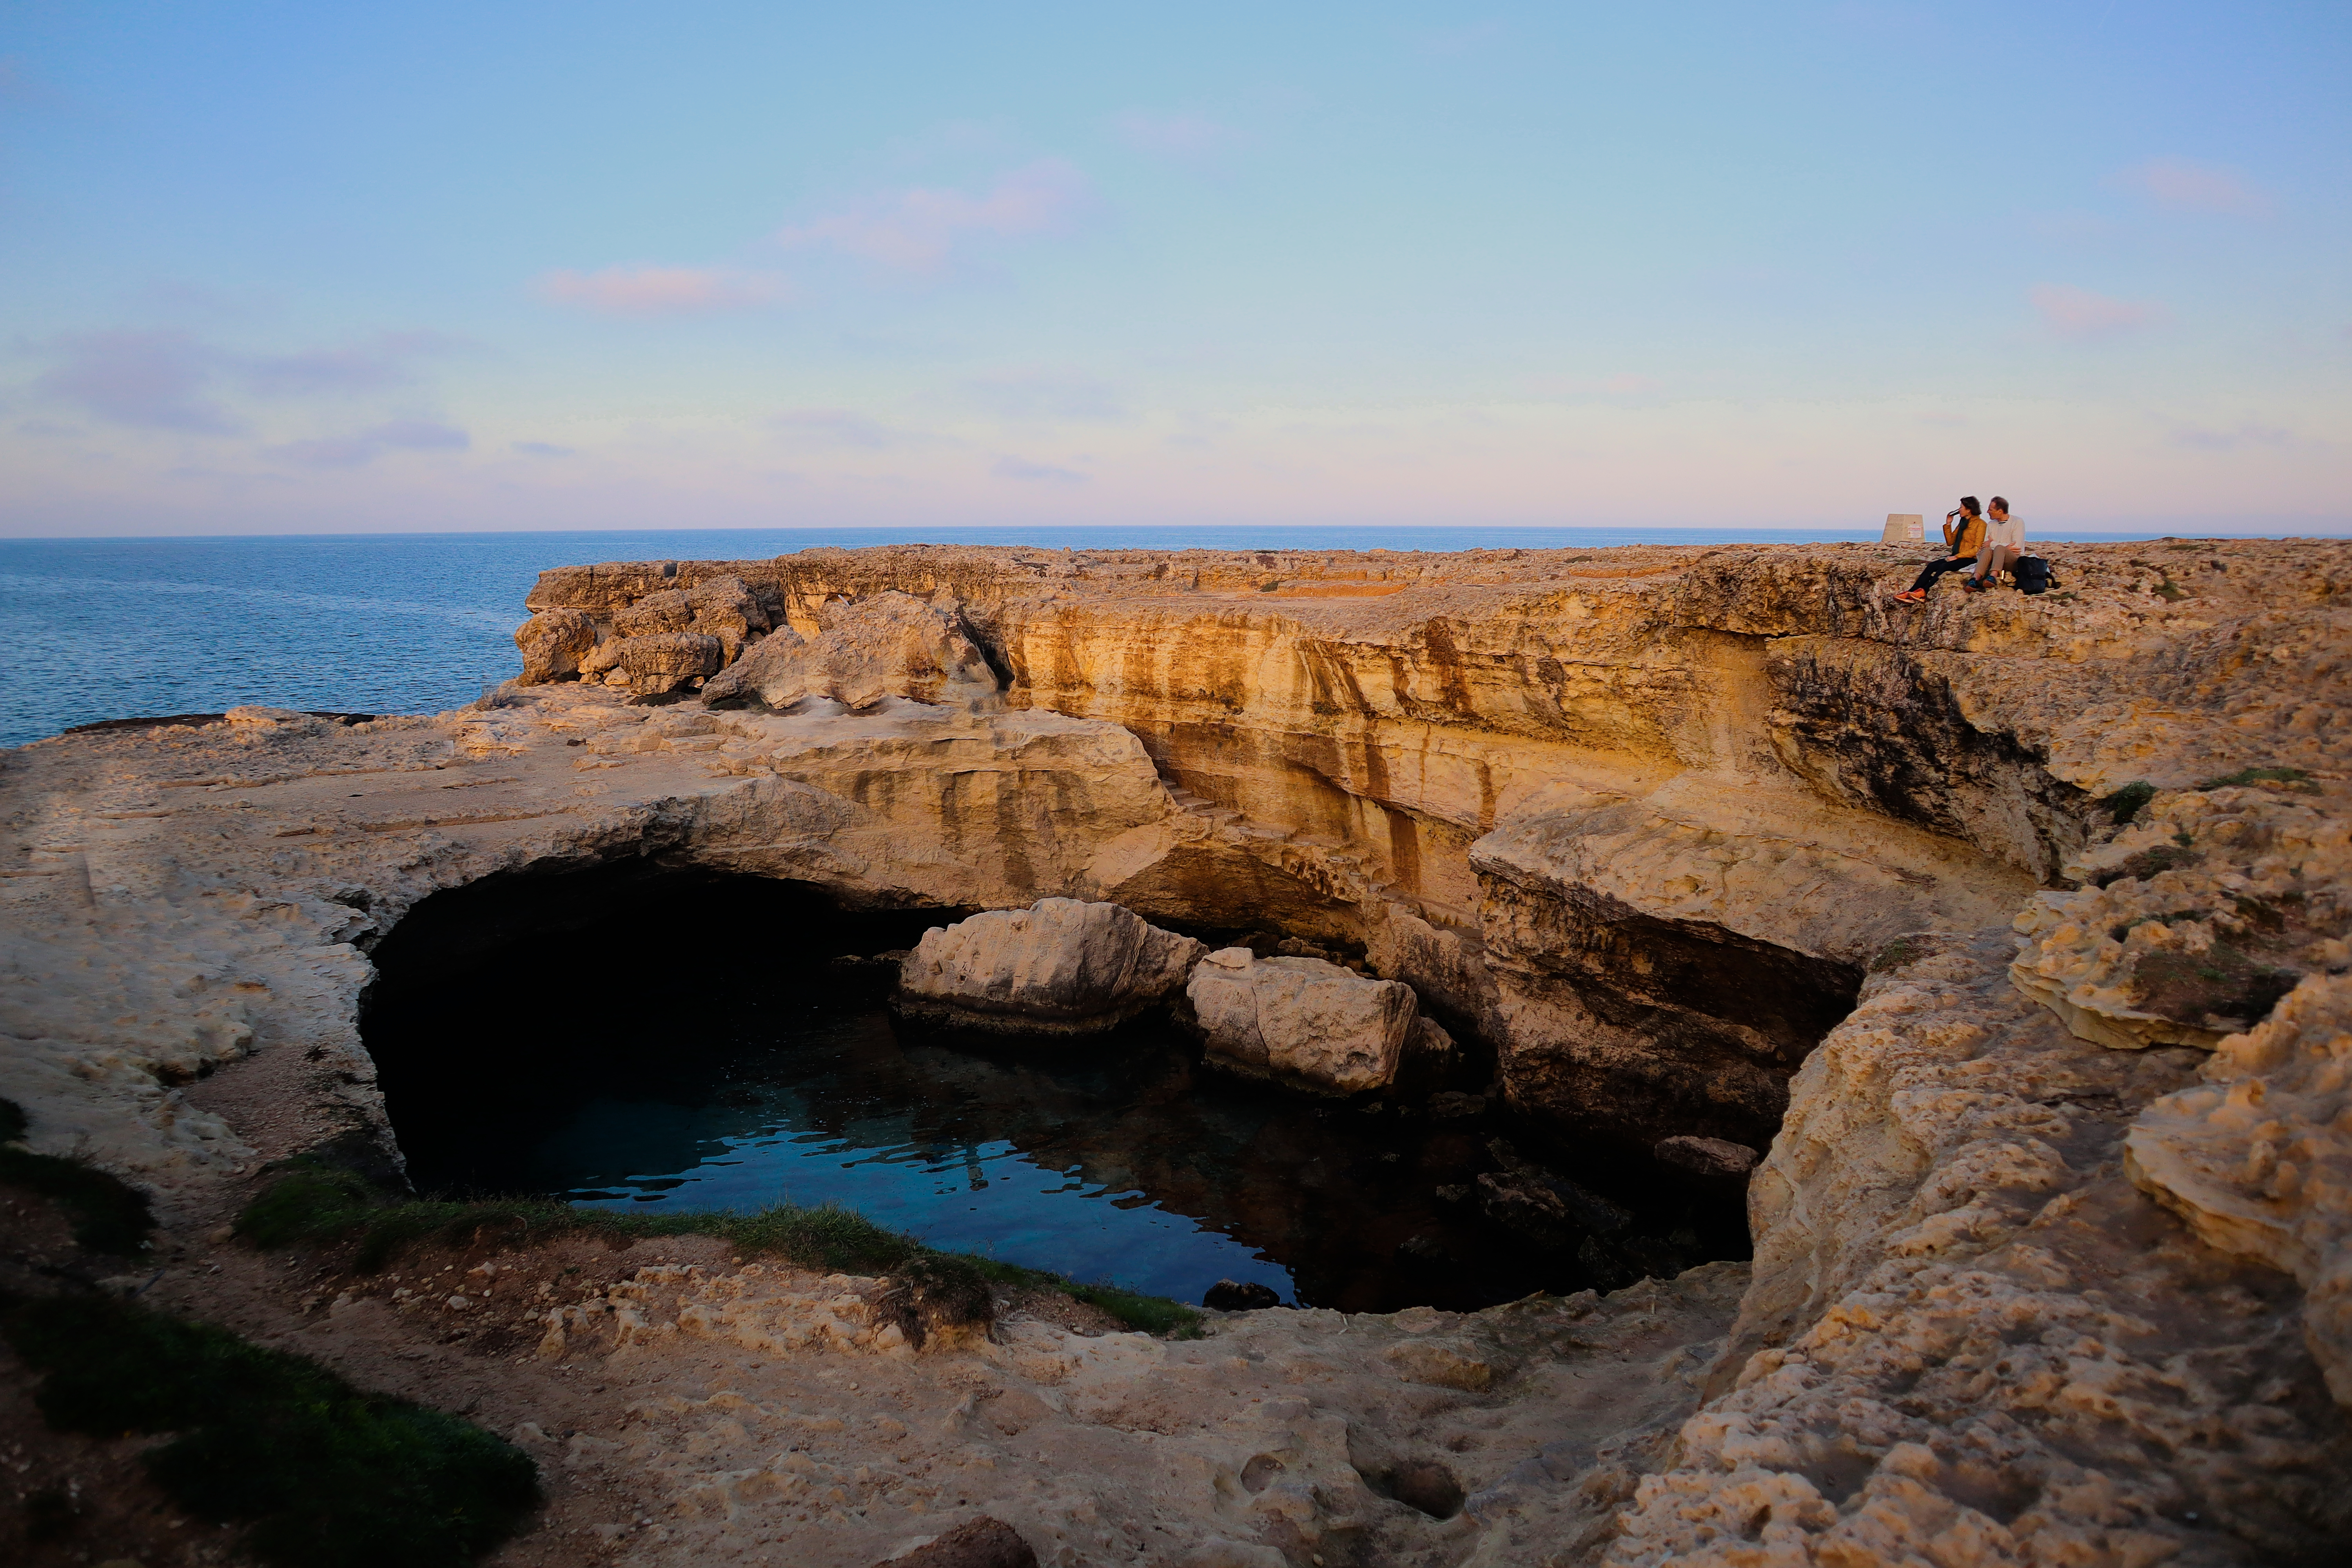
2051,1254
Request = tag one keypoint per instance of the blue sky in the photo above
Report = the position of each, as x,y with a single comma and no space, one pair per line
303,267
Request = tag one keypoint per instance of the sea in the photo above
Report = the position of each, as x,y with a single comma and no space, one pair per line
93,629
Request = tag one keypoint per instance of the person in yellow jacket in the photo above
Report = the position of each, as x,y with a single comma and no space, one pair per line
1964,531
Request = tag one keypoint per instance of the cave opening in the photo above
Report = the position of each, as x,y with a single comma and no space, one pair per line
646,1037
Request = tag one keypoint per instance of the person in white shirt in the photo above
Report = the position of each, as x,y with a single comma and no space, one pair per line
2004,541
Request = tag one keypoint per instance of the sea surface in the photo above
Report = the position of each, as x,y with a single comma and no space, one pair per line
419,623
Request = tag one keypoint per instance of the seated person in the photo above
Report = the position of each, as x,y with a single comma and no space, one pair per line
2004,541
1963,541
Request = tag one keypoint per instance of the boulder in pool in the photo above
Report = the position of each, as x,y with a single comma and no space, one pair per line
1058,967
1300,1020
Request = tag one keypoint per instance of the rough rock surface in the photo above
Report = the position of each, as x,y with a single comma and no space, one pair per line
552,644
1303,1021
654,663
2019,1297
1059,967
863,650
1970,1340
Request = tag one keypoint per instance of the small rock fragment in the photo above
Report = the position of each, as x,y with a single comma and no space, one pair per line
1235,1296
982,1543
1707,1157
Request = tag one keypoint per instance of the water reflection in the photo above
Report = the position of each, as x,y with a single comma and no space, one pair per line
1119,1159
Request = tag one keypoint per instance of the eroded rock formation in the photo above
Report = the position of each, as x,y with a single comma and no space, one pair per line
1301,1021
1703,846
1058,967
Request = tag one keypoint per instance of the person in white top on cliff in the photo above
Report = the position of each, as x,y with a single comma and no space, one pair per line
2004,541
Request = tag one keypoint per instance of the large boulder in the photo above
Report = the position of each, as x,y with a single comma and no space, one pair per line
652,664
722,607
553,642
1058,967
1301,1020
866,649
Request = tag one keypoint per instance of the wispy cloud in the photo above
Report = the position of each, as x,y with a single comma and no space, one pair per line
2184,186
2197,440
663,290
920,229
1175,135
1012,468
155,380
168,379
2080,315
845,428
380,363
1045,395
394,435
542,449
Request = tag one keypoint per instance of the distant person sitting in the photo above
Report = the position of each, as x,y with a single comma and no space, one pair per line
2004,541
1964,529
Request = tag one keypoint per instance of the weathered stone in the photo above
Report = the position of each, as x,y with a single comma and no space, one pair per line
1548,1208
1239,1296
982,1542
654,664
1299,1020
865,649
1447,1363
1059,967
721,607
553,642
1706,1156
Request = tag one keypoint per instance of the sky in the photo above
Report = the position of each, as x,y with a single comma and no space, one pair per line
311,267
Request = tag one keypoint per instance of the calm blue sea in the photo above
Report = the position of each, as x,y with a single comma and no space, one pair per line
416,623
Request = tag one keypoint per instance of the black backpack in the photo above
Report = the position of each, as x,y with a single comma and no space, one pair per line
2032,574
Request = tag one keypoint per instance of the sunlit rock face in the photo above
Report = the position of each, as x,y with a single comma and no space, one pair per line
1635,819
1714,846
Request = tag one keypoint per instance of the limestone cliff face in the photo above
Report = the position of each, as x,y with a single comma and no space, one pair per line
1584,803
1704,843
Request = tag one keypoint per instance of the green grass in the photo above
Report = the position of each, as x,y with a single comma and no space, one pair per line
2127,802
2148,862
313,1202
1150,1314
2294,777
321,1474
108,1215
1894,955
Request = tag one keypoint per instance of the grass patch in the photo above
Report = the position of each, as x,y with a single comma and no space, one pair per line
322,1475
1894,955
2293,778
2127,802
315,1202
1150,1314
2223,982
2148,862
108,1215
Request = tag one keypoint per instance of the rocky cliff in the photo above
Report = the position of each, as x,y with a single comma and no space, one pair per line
2012,926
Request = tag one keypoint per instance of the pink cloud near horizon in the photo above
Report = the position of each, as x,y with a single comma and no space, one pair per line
2080,315
919,230
2186,186
648,290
